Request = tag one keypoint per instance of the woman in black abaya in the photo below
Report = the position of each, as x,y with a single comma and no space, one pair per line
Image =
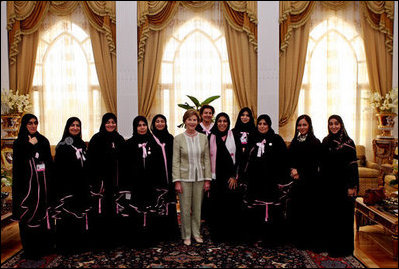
103,156
72,189
225,197
266,168
142,197
168,227
304,158
32,165
340,173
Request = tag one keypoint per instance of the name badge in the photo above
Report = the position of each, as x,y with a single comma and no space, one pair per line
128,196
41,167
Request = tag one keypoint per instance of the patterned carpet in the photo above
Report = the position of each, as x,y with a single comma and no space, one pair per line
177,255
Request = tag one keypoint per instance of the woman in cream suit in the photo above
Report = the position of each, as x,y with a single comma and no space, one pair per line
191,173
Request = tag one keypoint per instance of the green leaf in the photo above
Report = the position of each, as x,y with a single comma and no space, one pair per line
209,100
180,125
195,100
185,106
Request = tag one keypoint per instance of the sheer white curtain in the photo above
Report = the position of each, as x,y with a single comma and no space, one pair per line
194,63
335,79
65,81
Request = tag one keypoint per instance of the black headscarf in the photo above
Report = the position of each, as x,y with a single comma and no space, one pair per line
163,134
245,127
215,129
138,138
310,133
340,137
77,139
105,119
23,130
270,132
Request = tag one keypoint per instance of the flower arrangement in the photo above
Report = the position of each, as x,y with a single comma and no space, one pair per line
385,104
12,103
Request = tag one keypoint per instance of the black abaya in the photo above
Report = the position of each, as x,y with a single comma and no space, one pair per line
265,170
72,200
304,156
103,157
225,204
340,173
142,180
31,189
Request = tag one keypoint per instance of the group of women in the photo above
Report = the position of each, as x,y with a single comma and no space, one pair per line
245,180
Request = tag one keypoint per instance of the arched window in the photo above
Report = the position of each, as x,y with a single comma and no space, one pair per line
65,81
335,79
195,63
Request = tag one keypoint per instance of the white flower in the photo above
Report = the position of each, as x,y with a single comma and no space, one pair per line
13,103
386,103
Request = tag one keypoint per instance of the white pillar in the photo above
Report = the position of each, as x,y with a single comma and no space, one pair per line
268,60
5,78
126,60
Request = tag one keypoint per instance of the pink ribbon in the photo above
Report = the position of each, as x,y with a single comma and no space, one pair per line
27,195
79,154
213,152
141,212
162,145
266,204
48,221
100,196
261,147
144,149
38,190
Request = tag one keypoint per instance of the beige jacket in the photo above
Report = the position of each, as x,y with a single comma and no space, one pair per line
191,158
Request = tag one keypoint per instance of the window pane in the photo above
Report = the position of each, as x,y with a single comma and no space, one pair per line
170,49
78,32
167,73
36,105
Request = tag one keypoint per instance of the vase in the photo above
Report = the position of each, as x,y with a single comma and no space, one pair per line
10,124
386,123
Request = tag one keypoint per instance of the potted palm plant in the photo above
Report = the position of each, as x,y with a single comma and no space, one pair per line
197,104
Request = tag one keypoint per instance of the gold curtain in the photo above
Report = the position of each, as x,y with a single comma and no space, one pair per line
149,70
156,15
241,16
242,56
294,34
377,25
24,19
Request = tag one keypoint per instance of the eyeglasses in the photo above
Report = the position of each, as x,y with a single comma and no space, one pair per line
33,122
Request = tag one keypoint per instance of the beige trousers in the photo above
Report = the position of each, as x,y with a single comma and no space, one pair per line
190,208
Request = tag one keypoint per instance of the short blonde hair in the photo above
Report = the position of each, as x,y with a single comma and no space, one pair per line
189,113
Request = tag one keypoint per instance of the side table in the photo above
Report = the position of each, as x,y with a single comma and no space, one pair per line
388,221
